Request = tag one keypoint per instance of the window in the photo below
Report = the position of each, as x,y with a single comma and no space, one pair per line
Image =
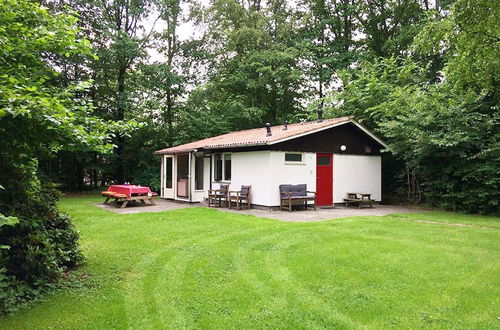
293,158
227,167
198,173
217,167
222,167
168,174
324,160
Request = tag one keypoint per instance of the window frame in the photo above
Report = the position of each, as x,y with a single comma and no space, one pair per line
294,162
201,161
169,161
223,166
216,177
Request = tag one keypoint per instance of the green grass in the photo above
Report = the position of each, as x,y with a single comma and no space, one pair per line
202,268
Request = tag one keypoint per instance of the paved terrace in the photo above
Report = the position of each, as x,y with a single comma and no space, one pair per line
294,216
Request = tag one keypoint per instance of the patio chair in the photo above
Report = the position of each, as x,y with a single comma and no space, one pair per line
296,193
239,197
218,196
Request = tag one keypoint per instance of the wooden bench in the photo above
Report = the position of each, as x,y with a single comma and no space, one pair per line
363,199
296,193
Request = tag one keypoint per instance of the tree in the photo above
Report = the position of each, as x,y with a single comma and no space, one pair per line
444,131
327,37
38,116
137,75
254,75
389,26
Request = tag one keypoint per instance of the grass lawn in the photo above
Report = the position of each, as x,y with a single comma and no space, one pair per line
202,268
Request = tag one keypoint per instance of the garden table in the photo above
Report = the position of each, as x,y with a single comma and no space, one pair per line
129,190
125,193
353,198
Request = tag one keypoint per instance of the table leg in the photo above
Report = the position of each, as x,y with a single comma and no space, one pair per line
125,202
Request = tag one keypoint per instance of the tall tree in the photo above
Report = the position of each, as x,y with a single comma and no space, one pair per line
135,76
389,26
39,116
327,32
254,75
444,131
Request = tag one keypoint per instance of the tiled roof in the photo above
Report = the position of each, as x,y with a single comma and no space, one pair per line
255,136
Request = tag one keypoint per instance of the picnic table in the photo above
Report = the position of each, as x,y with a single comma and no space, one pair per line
125,193
364,198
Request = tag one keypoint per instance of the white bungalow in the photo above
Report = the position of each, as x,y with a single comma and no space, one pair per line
332,156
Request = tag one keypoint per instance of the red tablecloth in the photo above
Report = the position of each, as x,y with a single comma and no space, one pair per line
129,189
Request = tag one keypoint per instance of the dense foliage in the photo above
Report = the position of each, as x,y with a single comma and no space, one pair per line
445,130
40,114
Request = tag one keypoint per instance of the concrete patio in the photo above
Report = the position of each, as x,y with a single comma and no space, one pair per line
161,205
295,216
322,214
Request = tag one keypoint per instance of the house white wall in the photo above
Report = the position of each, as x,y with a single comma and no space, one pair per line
354,173
289,173
250,168
265,171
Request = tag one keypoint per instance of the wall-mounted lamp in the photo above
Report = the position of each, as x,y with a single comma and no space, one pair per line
198,153
343,148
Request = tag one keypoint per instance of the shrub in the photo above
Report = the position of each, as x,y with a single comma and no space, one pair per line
38,253
148,177
42,245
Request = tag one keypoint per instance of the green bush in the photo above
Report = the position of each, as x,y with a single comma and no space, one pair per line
39,253
148,177
42,245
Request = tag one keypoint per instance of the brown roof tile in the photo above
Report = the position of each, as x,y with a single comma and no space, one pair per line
255,136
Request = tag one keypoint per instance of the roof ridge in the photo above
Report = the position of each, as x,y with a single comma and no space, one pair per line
289,124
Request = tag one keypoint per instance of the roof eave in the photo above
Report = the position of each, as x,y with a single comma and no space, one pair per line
213,147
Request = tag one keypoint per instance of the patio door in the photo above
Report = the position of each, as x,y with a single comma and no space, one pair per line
168,177
324,179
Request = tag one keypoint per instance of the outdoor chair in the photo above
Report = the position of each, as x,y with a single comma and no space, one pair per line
296,194
218,196
240,197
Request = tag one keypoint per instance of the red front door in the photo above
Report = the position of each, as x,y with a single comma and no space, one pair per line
324,179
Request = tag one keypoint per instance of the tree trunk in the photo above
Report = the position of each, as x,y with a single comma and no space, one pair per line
120,115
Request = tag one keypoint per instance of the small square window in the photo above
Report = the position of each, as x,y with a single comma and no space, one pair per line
289,157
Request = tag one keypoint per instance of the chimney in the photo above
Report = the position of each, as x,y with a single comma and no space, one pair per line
320,112
268,128
285,126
